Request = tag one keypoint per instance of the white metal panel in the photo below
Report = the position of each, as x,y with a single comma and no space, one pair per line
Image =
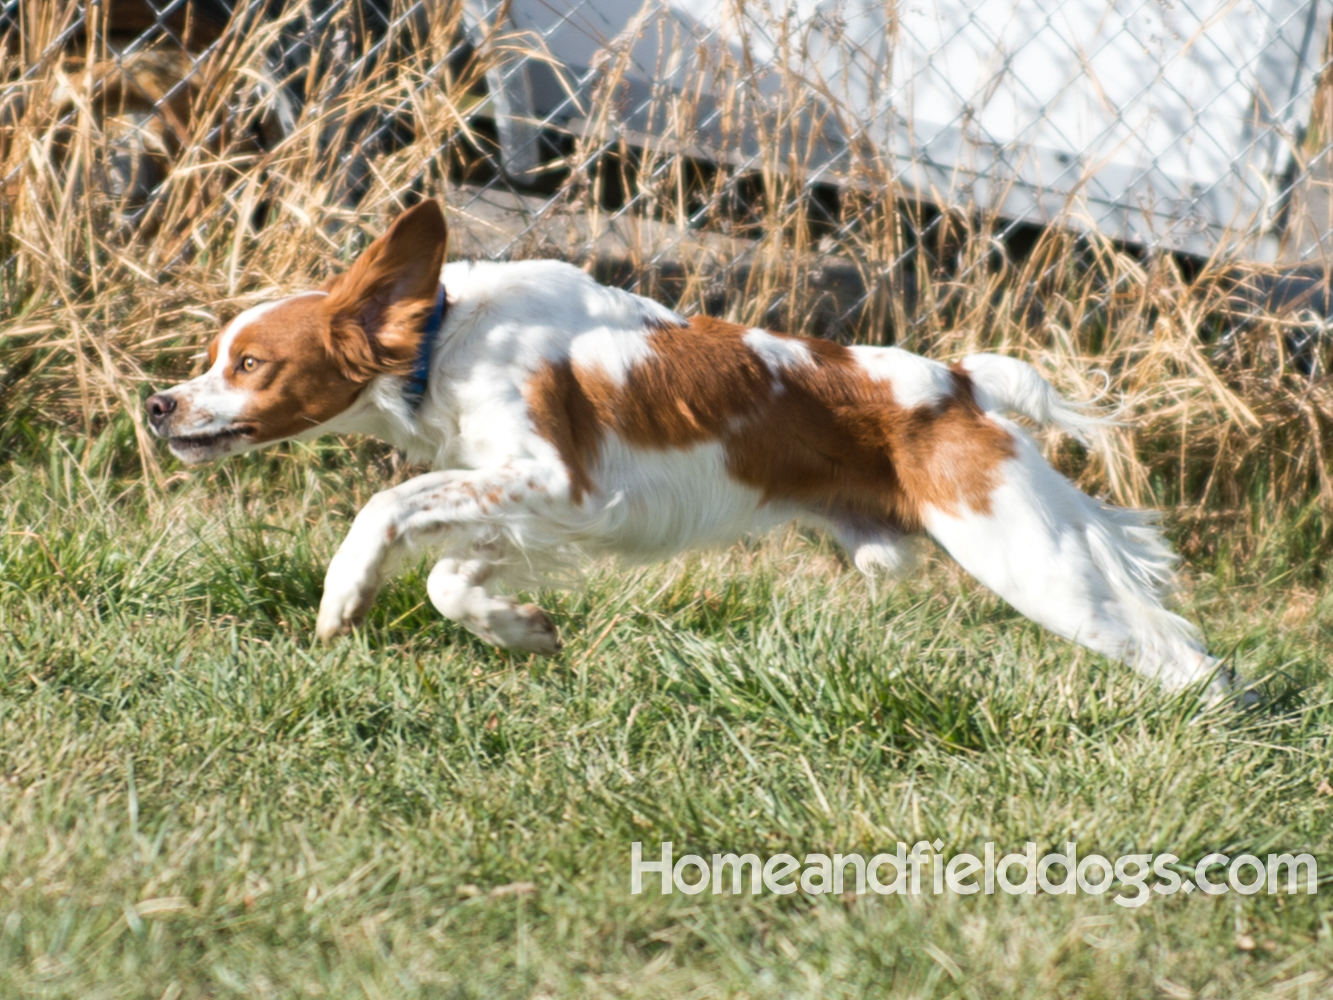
1160,123
1157,122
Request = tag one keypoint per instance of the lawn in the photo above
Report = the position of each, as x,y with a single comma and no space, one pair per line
196,800
199,801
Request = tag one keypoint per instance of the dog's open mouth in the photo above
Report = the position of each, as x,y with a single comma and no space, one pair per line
197,447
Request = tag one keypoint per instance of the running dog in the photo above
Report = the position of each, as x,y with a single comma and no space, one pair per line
566,417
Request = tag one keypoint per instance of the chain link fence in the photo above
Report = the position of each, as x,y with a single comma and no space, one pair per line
849,169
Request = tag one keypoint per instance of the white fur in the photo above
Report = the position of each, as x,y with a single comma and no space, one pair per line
916,381
1086,571
654,504
778,352
503,507
215,402
1007,385
613,351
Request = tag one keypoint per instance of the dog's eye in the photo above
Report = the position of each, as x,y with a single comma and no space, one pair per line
249,364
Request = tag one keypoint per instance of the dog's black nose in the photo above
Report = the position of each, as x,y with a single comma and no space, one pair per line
160,406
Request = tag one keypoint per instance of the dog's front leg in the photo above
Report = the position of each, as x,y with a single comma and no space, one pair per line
456,589
452,508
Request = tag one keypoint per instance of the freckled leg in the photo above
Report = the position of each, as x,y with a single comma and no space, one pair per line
456,590
453,508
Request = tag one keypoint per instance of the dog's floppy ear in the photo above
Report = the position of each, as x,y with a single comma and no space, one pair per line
379,305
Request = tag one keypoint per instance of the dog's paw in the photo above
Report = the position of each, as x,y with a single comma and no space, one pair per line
1231,690
524,627
536,632
343,607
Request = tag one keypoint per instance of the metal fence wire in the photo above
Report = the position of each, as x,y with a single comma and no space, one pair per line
831,166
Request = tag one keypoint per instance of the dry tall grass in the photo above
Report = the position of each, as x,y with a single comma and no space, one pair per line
106,294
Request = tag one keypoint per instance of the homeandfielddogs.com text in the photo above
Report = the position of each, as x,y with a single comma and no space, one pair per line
926,870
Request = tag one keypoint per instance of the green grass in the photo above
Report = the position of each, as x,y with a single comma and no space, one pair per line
198,801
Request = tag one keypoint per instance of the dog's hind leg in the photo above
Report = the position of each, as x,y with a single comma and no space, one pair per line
875,546
1091,573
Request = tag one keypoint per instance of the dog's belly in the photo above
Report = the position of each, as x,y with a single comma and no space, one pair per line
653,503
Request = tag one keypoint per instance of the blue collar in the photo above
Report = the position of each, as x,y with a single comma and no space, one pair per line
414,390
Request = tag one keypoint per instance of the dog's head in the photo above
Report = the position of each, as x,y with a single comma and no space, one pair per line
284,369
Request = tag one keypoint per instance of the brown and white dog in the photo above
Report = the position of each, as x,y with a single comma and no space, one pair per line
568,417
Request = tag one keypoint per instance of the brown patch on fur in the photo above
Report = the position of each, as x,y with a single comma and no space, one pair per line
830,438
378,307
297,384
564,415
317,352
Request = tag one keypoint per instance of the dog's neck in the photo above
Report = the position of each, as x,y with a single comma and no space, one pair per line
414,389
405,412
